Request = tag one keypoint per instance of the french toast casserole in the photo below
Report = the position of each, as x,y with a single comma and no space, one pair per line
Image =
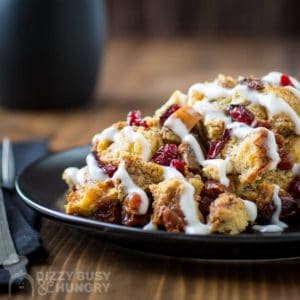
223,158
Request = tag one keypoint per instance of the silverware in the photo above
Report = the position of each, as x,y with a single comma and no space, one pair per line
9,258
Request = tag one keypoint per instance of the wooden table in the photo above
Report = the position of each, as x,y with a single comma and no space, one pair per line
142,74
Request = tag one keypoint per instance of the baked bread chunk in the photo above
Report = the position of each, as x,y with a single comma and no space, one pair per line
222,158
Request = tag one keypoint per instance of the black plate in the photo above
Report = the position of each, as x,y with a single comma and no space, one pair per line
41,187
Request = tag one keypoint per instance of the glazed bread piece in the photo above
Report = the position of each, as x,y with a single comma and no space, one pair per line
228,214
223,158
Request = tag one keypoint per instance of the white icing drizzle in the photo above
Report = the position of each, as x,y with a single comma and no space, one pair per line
82,176
150,226
133,137
94,171
187,204
178,127
296,169
109,133
211,90
91,171
210,111
276,225
241,130
277,201
221,166
267,228
251,209
75,176
274,79
72,176
273,104
191,140
272,150
114,135
131,188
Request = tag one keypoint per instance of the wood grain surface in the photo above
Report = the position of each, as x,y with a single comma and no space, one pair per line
141,74
194,17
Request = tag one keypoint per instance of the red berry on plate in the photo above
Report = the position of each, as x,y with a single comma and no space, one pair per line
285,80
215,147
294,188
288,206
204,205
286,161
264,214
177,164
253,83
261,123
165,154
240,113
108,168
134,118
168,113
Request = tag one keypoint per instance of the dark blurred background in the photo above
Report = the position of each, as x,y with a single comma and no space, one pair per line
67,52
160,18
157,46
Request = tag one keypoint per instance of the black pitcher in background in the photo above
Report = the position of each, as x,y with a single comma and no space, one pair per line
50,52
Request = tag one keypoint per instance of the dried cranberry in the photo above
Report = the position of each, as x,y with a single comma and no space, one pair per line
165,154
288,206
285,80
177,164
204,205
215,147
253,83
109,168
108,212
286,161
279,141
261,123
168,113
213,188
288,209
134,118
240,113
130,216
131,219
264,214
294,188
134,202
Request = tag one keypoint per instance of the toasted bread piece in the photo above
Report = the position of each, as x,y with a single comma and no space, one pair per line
86,200
228,214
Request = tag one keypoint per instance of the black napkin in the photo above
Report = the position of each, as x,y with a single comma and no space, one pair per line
23,221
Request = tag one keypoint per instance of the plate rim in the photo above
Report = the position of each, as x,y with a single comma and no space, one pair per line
244,238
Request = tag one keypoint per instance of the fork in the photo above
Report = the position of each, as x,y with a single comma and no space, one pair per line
8,255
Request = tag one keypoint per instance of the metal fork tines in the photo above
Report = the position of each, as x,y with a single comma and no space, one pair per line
9,259
8,165
8,253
